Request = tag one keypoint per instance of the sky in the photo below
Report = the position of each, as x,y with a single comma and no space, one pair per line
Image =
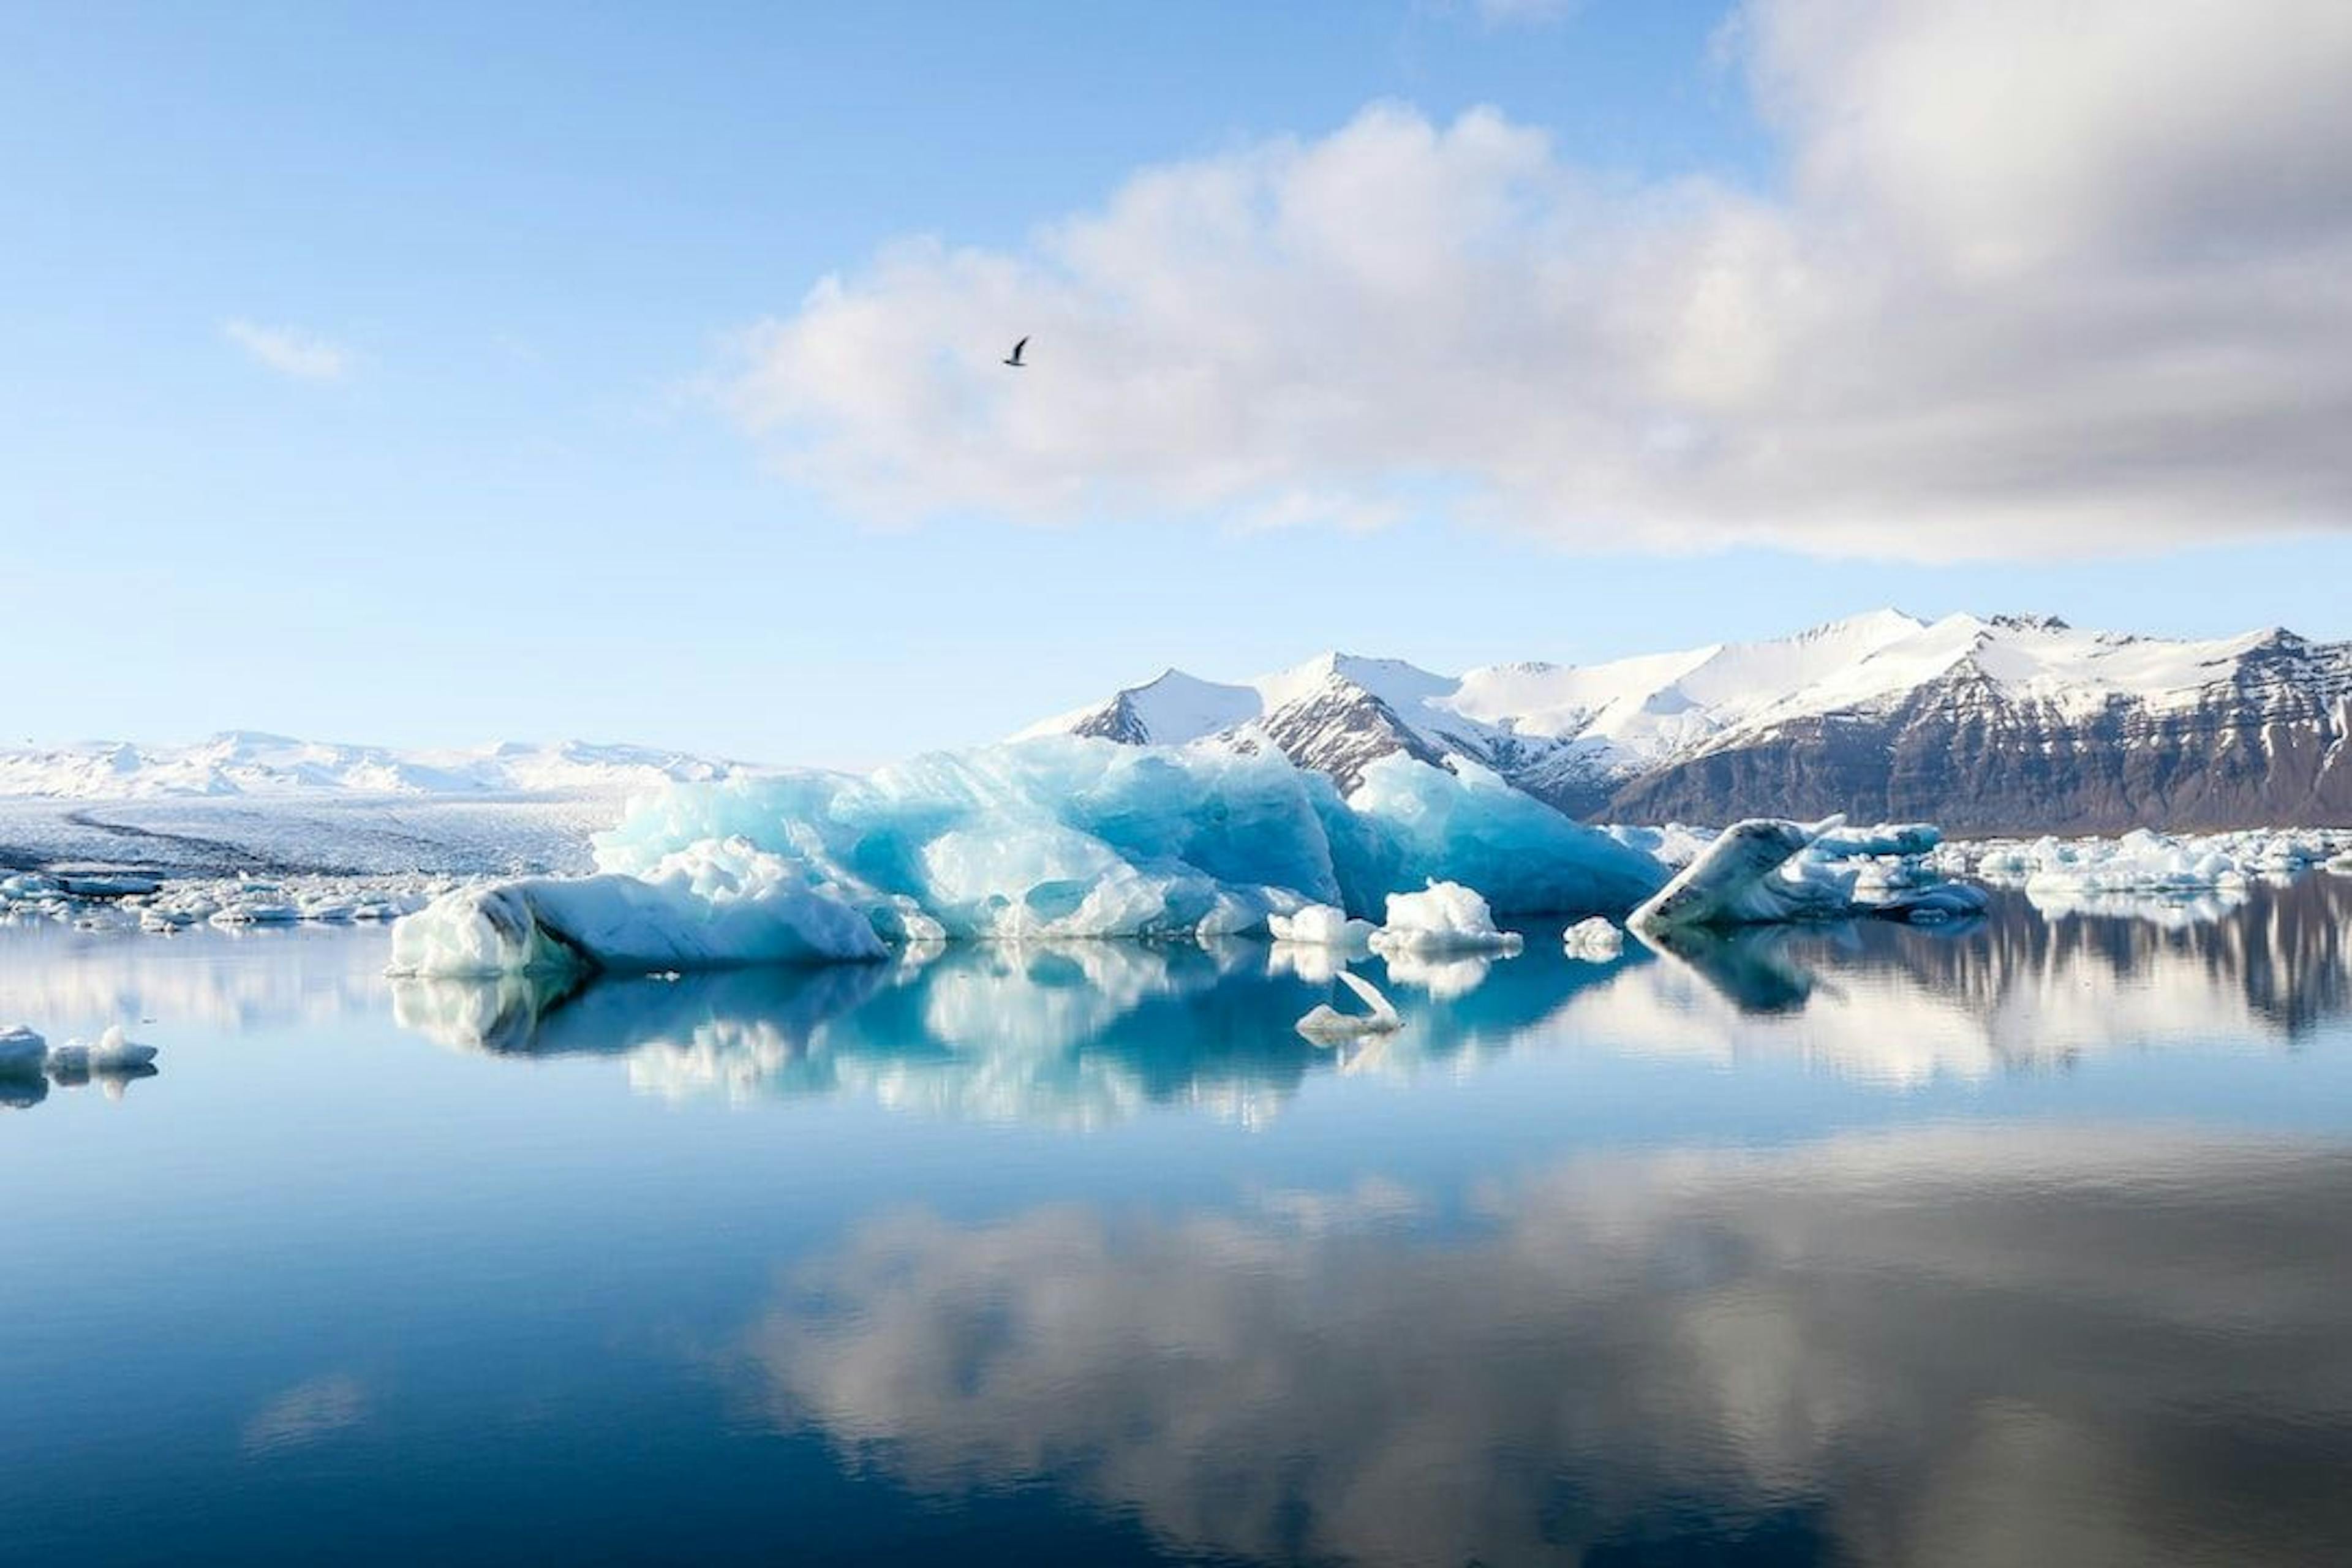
432,374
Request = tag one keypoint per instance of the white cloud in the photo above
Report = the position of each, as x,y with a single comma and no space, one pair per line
2045,279
288,352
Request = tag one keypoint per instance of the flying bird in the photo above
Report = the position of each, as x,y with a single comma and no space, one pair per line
1013,359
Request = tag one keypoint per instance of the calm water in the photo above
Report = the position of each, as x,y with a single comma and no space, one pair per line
2030,1243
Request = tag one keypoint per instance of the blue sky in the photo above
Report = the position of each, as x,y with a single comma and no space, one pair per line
381,374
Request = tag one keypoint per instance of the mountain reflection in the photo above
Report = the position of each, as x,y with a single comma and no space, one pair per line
1085,1033
1938,1347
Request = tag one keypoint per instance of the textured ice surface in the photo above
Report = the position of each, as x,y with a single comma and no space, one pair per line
1735,881
1673,845
709,906
1409,823
1595,939
25,1057
22,1051
1040,840
1320,925
1325,1022
1443,917
2066,872
1768,871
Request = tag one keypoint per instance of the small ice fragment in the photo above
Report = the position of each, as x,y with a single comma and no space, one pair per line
1594,941
22,1053
1320,925
115,1052
1445,917
1326,1023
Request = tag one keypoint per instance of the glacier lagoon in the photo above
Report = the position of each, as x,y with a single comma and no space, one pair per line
2011,1239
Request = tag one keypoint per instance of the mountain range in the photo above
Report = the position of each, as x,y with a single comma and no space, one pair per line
2011,724
247,762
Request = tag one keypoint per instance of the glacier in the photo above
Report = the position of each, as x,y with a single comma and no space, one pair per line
1043,839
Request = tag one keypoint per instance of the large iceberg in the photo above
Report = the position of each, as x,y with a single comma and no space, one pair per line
1044,839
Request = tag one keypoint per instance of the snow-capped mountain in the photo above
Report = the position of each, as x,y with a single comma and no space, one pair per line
242,763
2006,724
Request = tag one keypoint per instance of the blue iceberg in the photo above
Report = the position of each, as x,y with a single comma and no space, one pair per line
1044,840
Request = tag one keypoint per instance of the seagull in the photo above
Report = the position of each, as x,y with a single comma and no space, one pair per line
1013,359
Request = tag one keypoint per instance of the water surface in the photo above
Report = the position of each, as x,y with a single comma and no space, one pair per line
2022,1242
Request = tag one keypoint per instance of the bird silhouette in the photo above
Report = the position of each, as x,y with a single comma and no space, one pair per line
1013,359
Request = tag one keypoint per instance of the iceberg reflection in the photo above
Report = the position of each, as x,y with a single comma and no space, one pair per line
1083,1034
1076,1034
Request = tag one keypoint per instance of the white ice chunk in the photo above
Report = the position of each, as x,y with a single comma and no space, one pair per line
1733,882
115,1052
1445,917
1320,925
699,914
1594,940
2151,871
1765,871
1326,1023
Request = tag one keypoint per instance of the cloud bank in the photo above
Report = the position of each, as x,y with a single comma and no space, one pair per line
2037,280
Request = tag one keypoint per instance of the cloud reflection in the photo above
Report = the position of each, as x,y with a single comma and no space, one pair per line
1951,1346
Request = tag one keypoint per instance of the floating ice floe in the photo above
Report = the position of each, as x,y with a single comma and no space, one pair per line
228,903
2069,872
28,1063
1594,940
1767,871
757,911
1443,917
22,1053
1326,1023
1043,840
113,1056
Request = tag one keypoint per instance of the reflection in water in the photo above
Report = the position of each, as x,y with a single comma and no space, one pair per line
1085,1034
1080,1034
70,982
1947,1347
2013,992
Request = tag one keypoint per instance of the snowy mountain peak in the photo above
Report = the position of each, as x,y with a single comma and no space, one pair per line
1900,702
